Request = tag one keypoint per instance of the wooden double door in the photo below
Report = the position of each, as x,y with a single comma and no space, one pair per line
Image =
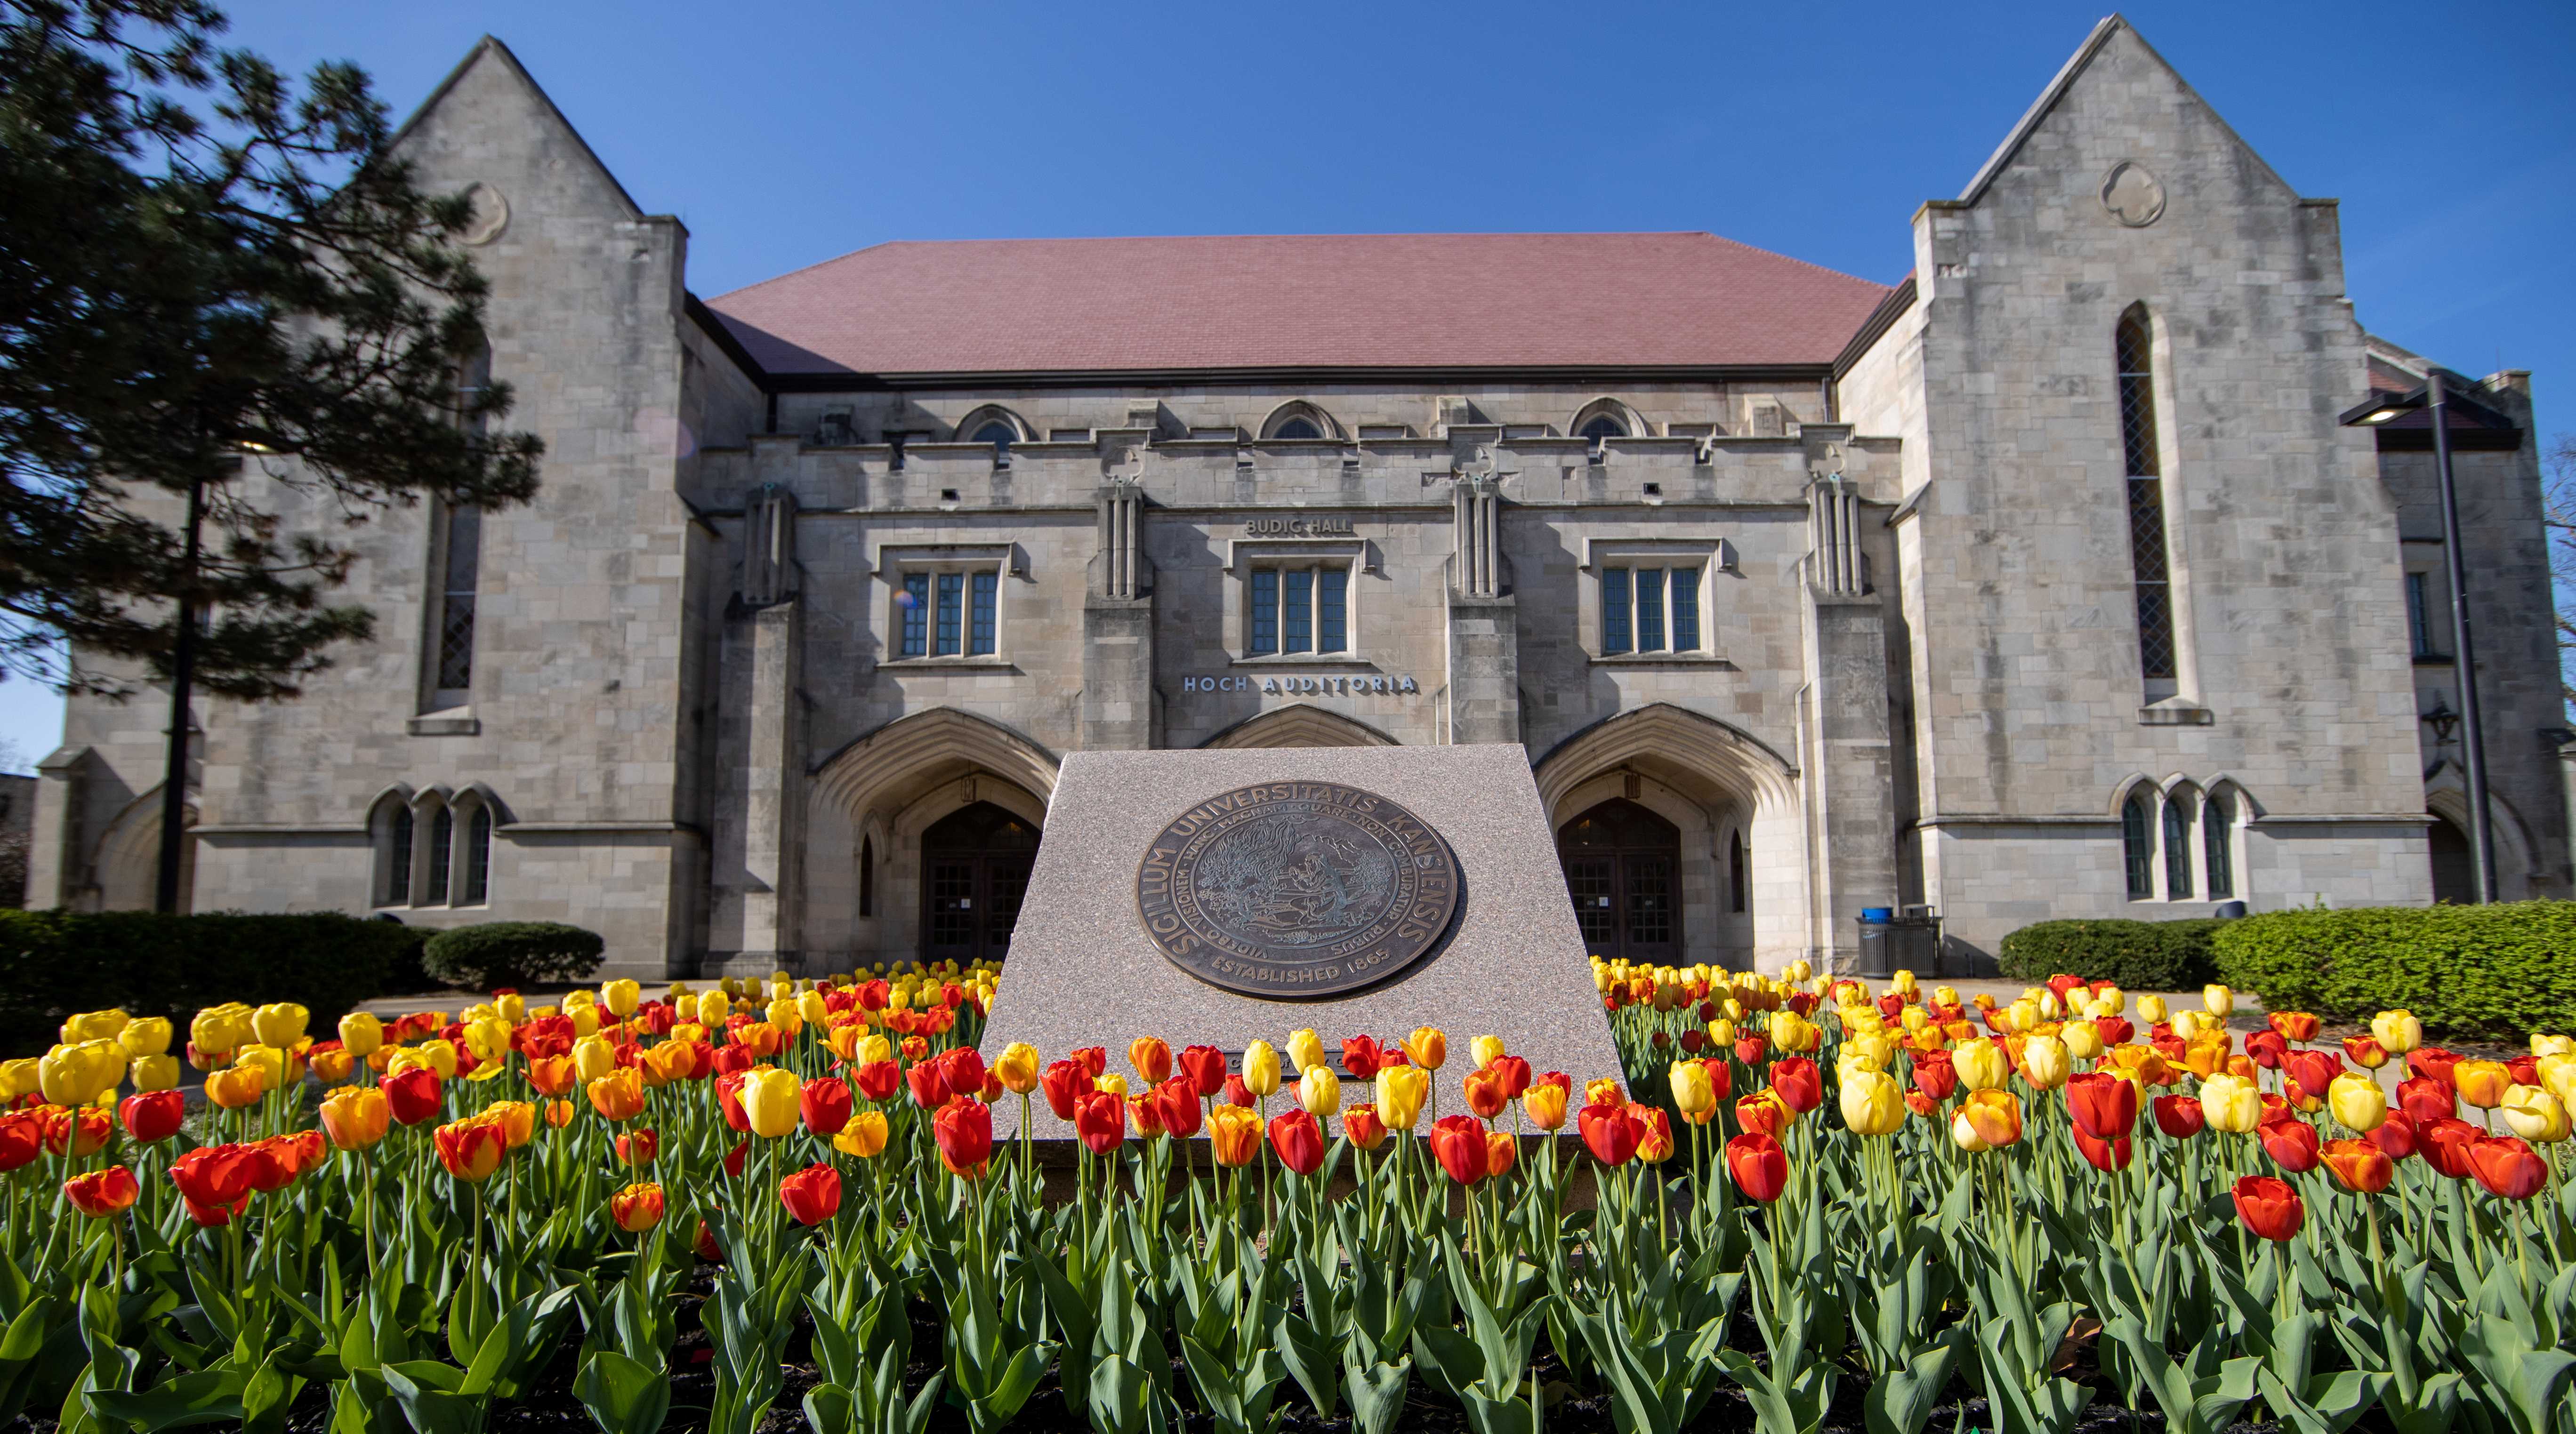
1623,873
974,872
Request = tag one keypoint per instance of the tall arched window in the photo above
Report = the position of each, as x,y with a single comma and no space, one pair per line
397,882
478,857
1738,880
2137,853
442,843
457,552
2134,353
2178,847
2217,845
867,876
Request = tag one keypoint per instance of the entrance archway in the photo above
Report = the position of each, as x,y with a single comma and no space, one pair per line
2455,871
1623,871
975,870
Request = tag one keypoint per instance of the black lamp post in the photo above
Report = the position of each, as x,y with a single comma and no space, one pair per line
2433,400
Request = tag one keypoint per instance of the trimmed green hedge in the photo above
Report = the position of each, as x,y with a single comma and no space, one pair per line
2498,972
2135,955
512,953
54,963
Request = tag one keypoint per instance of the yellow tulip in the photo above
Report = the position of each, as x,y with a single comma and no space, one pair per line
2397,1031
280,1023
1721,1032
769,1101
154,1072
1485,1050
1982,1065
236,1086
2230,1103
2044,1063
1945,996
219,1030
362,1034
1872,1104
1903,983
1794,1033
1694,1094
1261,1069
2187,1025
1114,1083
1017,1067
149,1036
2557,1076
1305,1048
593,1057
1320,1091
2113,997
94,1026
436,1057
511,1007
1871,1049
785,1016
2481,1083
2357,1100
2020,1016
813,1008
585,1019
864,1136
2151,1009
2218,1000
1428,1047
488,1038
621,997
2535,1114
713,1007
17,1078
2083,1040
78,1074
874,1048
1400,1093
2049,1007
1914,1018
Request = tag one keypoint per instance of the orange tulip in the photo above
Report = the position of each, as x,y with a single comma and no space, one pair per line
1152,1059
1543,1103
1486,1093
1234,1133
1765,1113
471,1148
637,1208
2482,1083
356,1116
552,1075
2295,1026
2360,1165
102,1193
1502,1152
1360,1123
1995,1116
1428,1047
2365,1051
1654,1133
618,1095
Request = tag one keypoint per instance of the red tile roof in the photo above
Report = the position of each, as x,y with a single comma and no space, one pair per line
1483,301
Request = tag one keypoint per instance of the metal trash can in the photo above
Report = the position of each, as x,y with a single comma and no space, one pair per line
1890,943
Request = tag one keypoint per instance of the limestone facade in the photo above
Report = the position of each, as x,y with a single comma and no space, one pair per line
1917,677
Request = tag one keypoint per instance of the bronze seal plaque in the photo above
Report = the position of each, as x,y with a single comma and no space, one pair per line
1297,890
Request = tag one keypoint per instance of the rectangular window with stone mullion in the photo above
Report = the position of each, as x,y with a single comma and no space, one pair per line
979,632
947,622
1647,610
916,615
461,570
1292,609
2134,354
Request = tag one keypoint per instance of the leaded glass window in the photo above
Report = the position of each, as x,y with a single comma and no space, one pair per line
2134,354
2177,848
1649,610
2217,843
916,615
2136,855
478,857
1298,608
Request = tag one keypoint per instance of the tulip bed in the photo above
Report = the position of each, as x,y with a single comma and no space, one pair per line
1879,1210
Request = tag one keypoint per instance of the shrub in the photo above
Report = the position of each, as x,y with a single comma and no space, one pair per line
2481,971
2135,955
53,963
512,953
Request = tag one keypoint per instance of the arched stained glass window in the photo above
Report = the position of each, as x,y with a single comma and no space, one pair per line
2217,845
2136,852
1297,428
1602,426
478,857
397,883
2134,354
2178,847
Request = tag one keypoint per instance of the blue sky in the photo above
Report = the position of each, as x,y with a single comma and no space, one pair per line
784,134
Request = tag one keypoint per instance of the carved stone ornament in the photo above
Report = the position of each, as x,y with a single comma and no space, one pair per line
1297,890
2134,196
491,215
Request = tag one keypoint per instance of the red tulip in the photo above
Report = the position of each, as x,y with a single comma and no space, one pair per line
1362,1058
1934,1075
153,1115
1239,1094
734,1060
2507,1167
879,1080
1094,1060
638,1147
2104,1155
215,1181
1066,1083
22,1138
1299,1141
103,1193
2114,1030
963,1069
1458,1142
2295,1025
2179,1116
1146,1115
2396,1135
1749,1050
705,1245
873,995
2365,1051
929,1085
1799,1083
1609,1132
2444,1143
812,1195
411,1095
1516,1077
2431,1062
1758,1164
2292,1144
2314,1070
825,1101
2267,1048
2427,1099
1205,1067
2269,1207
2104,1107
1100,1121
964,1129
1177,1102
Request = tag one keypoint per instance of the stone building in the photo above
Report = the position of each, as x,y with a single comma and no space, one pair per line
2046,582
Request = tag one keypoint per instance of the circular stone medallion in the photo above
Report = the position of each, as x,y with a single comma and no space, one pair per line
1297,890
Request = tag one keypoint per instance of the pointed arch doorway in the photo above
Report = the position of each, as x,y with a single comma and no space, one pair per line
975,871
1623,872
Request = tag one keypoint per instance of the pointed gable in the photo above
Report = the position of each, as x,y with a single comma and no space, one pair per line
490,122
